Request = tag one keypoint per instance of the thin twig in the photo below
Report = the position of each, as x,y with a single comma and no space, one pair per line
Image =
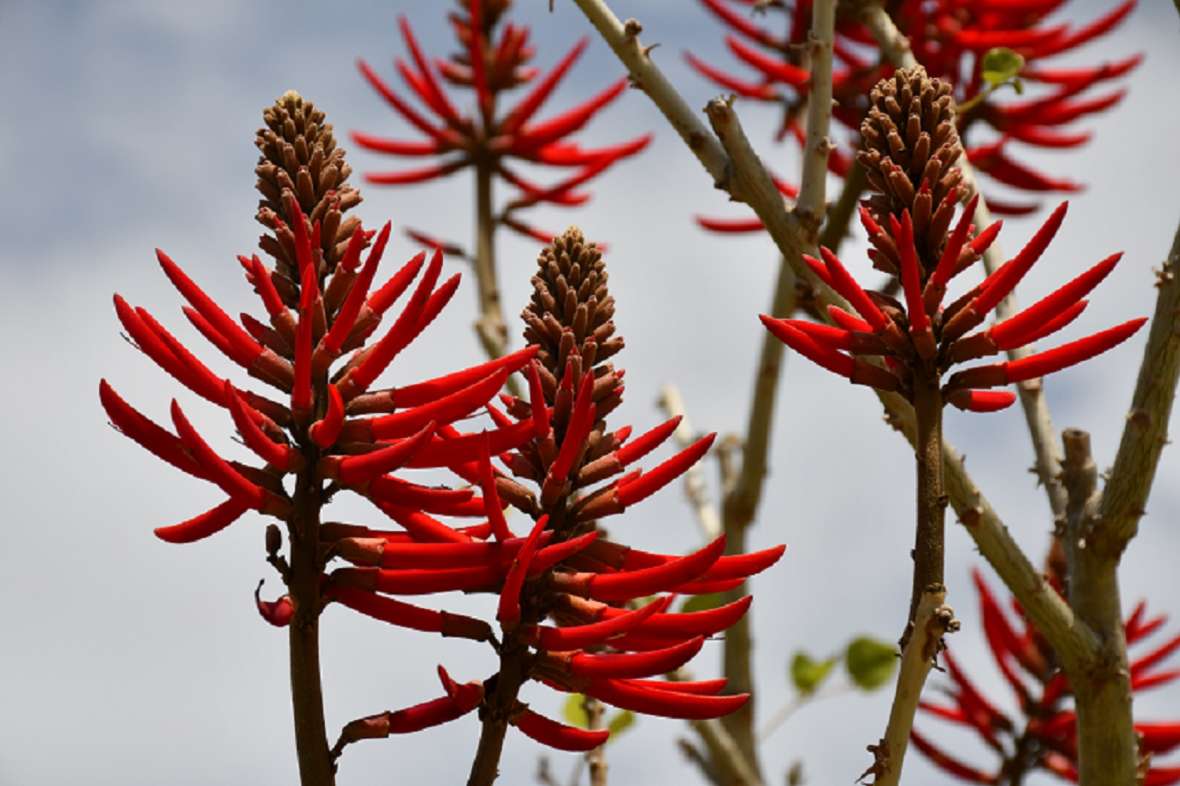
695,487
932,622
896,48
489,326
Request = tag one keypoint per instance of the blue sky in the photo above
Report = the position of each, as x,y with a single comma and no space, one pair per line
129,125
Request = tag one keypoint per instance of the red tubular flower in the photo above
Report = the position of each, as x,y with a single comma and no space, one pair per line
921,336
1046,725
951,39
565,593
492,61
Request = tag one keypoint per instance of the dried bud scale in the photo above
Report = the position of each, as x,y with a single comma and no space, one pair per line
299,157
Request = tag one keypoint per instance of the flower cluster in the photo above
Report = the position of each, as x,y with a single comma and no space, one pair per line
493,60
910,146
951,39
320,304
1043,735
611,632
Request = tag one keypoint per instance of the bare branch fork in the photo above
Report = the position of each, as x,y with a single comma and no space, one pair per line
730,161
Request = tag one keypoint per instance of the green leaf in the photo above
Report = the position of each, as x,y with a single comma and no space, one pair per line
1001,65
702,602
620,722
807,674
870,662
574,712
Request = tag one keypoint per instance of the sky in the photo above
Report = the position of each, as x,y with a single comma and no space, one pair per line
129,125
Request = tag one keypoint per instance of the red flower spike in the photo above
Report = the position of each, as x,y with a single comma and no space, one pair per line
325,431
576,432
981,400
638,489
1070,354
911,285
761,91
1017,330
856,371
642,664
301,395
581,636
425,392
363,468
846,286
205,524
948,262
540,412
450,407
508,610
221,473
999,284
770,67
687,624
381,354
243,347
421,526
820,270
282,457
532,137
665,703
703,687
626,585
560,552
492,61
647,442
350,309
495,510
848,321
151,437
949,764
264,285
557,735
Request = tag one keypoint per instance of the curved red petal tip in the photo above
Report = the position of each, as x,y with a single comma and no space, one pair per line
325,430
558,735
637,489
1071,354
276,612
204,524
982,400
508,610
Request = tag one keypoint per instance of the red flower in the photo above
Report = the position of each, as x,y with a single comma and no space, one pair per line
604,636
317,426
950,39
1043,734
493,60
910,231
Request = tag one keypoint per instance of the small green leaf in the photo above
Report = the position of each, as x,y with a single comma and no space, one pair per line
702,602
620,722
807,674
1000,65
870,662
574,712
